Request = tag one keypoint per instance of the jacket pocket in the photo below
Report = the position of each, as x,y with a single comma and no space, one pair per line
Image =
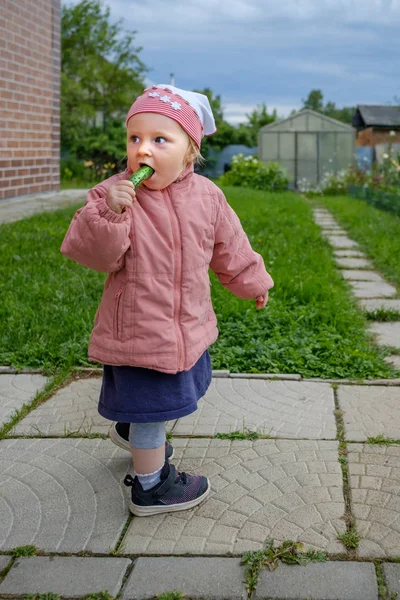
118,316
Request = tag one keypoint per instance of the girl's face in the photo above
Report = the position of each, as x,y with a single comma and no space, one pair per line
159,142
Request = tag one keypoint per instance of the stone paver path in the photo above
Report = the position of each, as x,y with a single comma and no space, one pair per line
388,334
369,287
276,408
375,483
283,489
370,411
72,410
14,209
17,390
62,495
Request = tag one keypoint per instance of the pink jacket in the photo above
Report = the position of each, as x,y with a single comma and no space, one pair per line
156,309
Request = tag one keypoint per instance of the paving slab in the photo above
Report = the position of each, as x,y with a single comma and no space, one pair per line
62,495
352,263
341,241
363,275
371,289
68,576
319,581
387,334
72,410
292,409
370,411
374,474
394,360
13,209
280,489
372,304
202,578
391,573
329,231
15,391
349,253
4,562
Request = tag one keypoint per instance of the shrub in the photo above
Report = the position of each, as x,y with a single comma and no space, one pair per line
248,171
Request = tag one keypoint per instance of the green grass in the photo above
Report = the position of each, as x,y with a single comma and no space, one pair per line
376,231
311,325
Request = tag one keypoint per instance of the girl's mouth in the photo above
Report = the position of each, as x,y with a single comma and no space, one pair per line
143,164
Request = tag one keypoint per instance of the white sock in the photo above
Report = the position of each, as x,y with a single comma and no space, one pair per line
149,480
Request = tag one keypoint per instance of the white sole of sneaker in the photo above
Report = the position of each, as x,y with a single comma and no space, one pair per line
121,443
147,511
118,440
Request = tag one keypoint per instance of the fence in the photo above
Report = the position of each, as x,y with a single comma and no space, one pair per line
385,200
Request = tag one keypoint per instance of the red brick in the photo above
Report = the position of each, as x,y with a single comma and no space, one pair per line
29,79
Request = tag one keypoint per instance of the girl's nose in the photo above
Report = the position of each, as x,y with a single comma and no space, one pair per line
144,148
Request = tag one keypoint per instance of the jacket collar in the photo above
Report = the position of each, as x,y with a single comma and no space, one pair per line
185,175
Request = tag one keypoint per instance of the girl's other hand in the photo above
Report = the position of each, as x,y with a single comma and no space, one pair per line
261,301
121,196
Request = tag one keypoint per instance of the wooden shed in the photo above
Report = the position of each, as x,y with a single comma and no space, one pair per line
374,123
308,144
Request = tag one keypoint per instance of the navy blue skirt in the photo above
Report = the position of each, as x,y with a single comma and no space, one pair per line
139,395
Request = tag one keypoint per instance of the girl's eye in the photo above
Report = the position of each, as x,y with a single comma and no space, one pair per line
134,138
160,140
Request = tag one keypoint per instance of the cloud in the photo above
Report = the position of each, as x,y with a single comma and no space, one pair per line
253,51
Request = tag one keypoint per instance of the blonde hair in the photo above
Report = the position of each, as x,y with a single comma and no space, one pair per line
193,154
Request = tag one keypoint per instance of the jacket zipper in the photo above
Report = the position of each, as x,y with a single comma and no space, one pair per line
177,280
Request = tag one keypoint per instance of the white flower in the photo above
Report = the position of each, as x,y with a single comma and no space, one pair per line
165,98
176,105
154,94
385,156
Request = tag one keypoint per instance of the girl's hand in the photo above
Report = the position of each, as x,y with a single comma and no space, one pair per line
121,196
261,301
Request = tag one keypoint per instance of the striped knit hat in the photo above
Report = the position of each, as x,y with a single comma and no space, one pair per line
190,109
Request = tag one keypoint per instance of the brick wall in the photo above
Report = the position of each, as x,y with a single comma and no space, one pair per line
372,136
29,96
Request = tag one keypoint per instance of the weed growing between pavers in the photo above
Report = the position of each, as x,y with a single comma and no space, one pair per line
382,440
119,546
48,596
289,552
350,539
170,596
383,592
245,434
382,314
17,553
62,378
24,551
312,325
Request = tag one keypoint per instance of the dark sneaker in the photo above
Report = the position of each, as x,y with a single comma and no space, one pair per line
176,491
119,434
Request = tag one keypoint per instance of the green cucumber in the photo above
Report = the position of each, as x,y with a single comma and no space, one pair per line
141,175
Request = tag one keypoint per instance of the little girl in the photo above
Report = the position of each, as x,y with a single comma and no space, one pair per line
155,321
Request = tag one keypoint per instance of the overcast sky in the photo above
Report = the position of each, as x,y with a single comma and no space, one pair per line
272,51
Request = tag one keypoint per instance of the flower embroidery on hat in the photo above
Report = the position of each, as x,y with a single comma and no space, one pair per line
176,105
154,94
165,98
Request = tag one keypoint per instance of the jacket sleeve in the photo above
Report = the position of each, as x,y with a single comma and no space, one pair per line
98,237
238,267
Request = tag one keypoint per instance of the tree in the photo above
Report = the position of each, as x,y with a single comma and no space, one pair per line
257,119
315,101
101,74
